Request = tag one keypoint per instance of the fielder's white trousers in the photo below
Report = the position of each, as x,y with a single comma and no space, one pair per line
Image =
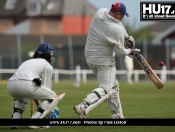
106,76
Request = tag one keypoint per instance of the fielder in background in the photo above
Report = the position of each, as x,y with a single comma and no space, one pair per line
26,84
106,38
129,68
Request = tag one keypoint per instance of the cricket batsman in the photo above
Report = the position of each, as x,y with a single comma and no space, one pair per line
33,80
106,38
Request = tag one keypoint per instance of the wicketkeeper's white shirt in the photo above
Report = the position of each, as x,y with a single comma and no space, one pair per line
35,68
105,39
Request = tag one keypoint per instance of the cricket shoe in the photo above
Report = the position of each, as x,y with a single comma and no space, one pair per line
80,111
52,105
117,116
38,127
54,114
14,127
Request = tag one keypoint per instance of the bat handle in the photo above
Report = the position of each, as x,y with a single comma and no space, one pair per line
137,55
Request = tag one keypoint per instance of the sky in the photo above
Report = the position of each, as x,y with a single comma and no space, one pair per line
132,7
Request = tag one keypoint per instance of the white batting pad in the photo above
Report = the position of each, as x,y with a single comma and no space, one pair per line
52,105
88,109
111,95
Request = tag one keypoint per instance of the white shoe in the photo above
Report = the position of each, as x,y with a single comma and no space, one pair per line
38,127
117,116
80,111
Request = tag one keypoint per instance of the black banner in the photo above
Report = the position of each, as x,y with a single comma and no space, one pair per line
87,122
157,10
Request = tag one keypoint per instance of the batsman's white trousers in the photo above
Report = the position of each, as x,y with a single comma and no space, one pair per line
21,90
106,76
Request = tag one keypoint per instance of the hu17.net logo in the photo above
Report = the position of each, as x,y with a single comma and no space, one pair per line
157,11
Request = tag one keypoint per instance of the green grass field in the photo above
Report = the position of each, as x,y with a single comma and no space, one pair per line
141,100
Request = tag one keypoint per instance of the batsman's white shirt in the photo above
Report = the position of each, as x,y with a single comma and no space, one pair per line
105,39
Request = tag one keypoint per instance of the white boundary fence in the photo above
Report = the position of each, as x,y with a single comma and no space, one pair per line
81,75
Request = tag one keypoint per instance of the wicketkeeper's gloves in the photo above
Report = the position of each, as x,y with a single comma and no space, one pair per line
37,82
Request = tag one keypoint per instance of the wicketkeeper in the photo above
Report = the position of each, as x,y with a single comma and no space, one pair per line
33,80
106,38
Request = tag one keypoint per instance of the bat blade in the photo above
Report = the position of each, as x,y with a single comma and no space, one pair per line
149,71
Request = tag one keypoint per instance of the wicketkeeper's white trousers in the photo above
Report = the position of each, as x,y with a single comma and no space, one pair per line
21,90
106,76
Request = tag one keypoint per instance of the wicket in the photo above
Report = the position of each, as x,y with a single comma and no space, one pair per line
32,107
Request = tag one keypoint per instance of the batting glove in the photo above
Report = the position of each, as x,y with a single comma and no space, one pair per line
129,42
134,52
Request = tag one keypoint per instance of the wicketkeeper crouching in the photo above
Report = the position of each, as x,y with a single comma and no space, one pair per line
33,80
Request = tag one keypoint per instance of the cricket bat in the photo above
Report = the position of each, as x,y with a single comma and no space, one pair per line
149,71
